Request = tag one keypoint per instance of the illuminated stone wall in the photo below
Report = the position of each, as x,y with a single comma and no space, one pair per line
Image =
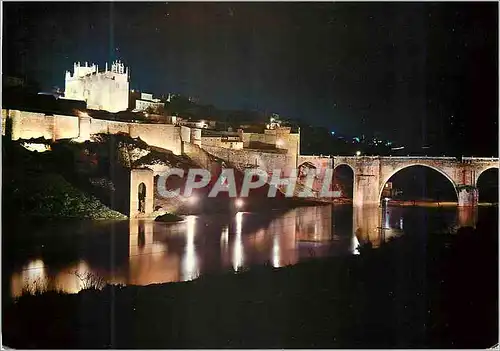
280,138
65,127
185,134
267,161
196,136
27,125
217,141
165,136
198,155
249,138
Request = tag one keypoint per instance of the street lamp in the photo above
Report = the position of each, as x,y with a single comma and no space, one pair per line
358,153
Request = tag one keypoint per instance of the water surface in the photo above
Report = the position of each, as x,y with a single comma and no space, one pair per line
70,255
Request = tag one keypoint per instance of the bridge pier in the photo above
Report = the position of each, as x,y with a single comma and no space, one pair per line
365,190
366,185
467,195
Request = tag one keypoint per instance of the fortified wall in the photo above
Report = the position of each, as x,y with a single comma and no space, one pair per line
254,158
277,138
27,125
224,142
276,148
281,152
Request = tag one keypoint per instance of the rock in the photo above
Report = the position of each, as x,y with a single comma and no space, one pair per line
169,218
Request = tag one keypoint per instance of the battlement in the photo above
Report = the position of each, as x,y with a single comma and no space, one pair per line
81,71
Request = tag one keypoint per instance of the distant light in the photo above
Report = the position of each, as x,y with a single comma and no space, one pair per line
358,153
398,148
238,203
190,269
333,133
238,243
356,138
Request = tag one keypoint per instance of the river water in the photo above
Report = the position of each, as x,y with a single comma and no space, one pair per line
70,255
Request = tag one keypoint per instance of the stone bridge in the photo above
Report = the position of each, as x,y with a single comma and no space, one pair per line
371,173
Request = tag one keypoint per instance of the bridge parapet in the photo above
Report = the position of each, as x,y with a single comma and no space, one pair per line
489,159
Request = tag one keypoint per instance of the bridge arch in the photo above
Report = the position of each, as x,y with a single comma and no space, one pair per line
344,164
482,171
486,184
386,178
344,179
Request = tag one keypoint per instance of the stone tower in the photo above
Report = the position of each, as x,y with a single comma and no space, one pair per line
108,90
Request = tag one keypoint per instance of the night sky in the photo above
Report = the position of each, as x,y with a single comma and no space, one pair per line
418,74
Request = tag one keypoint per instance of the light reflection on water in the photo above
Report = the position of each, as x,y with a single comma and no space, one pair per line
142,252
238,243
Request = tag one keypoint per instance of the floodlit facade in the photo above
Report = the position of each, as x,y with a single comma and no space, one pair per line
148,102
108,90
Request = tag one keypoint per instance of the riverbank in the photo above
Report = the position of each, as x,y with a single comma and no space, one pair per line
415,291
406,203
419,203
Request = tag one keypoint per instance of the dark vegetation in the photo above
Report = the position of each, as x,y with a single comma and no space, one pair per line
42,185
436,290
74,180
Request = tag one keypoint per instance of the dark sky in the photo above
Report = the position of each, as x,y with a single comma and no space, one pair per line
417,73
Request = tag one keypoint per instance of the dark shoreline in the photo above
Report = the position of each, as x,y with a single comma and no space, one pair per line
427,296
